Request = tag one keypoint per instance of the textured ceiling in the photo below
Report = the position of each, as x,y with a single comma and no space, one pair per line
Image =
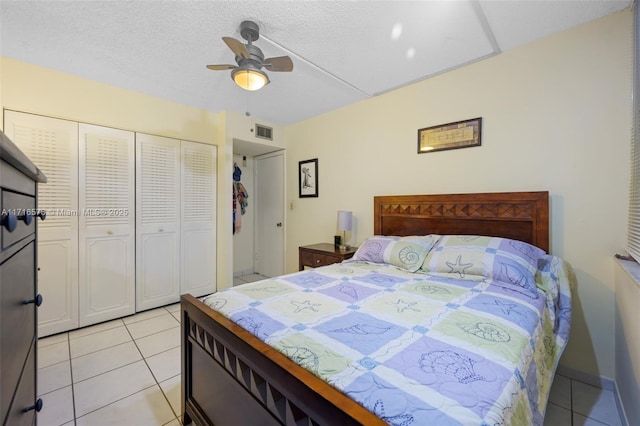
343,51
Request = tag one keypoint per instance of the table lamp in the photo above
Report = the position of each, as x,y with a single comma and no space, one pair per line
344,225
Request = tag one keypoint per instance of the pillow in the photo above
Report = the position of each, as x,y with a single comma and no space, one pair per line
426,240
402,252
472,257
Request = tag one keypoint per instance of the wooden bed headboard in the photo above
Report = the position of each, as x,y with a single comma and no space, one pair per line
520,216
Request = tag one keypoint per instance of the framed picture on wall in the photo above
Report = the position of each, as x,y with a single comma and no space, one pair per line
308,178
461,134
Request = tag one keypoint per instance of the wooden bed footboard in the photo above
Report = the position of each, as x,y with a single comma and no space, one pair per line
230,377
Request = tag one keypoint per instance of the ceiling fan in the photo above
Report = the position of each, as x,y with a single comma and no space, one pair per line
250,60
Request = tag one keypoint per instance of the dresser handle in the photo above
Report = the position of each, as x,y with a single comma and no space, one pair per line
10,221
37,406
317,260
27,218
37,301
42,215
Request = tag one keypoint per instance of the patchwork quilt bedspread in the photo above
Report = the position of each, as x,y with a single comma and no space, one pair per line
417,348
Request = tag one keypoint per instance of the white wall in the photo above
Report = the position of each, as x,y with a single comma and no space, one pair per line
556,116
243,241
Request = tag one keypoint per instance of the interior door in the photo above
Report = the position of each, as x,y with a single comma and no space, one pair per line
107,225
270,214
157,221
52,144
198,218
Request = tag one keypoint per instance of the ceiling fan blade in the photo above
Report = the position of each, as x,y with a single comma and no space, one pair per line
221,67
280,63
236,47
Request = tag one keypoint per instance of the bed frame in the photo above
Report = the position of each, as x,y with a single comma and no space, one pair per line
230,377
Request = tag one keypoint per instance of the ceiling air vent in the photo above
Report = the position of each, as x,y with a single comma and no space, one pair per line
264,132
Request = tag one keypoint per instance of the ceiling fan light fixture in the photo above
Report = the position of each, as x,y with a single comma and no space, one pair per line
249,78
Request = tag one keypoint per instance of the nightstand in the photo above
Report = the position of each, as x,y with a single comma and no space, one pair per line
323,254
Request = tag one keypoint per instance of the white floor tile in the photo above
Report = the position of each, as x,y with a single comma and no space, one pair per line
54,377
147,407
159,342
53,354
165,365
98,341
153,325
561,392
238,281
176,315
104,360
173,422
57,408
253,277
171,389
85,331
173,308
102,390
580,420
143,316
50,340
595,403
557,416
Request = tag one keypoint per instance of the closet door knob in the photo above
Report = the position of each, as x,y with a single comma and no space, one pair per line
37,406
37,301
42,215
279,224
10,221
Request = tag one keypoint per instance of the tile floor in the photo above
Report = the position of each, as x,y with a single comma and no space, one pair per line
121,372
573,403
243,279
127,372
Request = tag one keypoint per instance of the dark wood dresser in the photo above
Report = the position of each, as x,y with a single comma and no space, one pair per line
322,254
19,296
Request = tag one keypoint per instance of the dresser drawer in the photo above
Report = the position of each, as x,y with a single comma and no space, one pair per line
313,259
25,397
22,207
18,319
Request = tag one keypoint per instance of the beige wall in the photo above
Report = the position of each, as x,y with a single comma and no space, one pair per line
556,116
37,90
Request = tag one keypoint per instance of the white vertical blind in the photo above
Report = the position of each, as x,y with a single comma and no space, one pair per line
633,244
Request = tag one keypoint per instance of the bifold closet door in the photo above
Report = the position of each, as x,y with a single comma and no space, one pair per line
198,218
157,221
107,223
52,145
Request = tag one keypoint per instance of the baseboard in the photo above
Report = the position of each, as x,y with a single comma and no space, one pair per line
598,382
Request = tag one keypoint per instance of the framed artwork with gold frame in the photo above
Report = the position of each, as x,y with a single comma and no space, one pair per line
459,134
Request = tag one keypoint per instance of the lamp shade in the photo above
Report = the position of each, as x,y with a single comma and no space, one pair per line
249,79
344,220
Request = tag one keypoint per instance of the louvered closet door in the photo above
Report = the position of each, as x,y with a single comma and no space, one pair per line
198,219
52,145
157,221
107,256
